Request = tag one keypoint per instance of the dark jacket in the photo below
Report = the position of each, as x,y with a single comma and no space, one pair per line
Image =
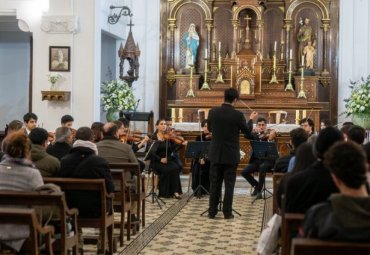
226,123
47,165
342,218
59,149
308,187
82,162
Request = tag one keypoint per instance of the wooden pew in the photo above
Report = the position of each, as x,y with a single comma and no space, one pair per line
106,220
26,216
55,200
139,195
122,202
307,246
290,225
276,178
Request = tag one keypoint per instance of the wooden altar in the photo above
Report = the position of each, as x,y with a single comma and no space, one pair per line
249,45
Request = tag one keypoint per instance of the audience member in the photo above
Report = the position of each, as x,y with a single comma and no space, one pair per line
344,216
47,164
304,157
17,174
63,143
13,126
308,125
82,162
357,134
314,184
67,121
30,121
325,123
97,128
345,128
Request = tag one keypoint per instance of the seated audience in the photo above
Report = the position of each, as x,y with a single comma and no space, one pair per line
325,123
164,163
357,134
17,174
97,128
344,216
12,127
63,143
345,128
83,162
304,158
308,125
286,163
30,122
314,184
48,165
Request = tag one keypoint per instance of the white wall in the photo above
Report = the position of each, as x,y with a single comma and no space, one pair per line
85,76
354,47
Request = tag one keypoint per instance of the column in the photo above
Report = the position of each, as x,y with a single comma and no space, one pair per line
326,27
287,26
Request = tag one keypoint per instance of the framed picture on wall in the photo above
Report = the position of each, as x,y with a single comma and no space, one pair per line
60,58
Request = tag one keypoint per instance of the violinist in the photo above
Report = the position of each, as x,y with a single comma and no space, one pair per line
136,140
201,165
308,125
178,139
164,163
260,133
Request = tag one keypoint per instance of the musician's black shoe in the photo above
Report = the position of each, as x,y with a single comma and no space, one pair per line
211,216
259,195
228,217
255,192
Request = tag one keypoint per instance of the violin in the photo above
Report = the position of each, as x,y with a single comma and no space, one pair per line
136,136
174,138
267,135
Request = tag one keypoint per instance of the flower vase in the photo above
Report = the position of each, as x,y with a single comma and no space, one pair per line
112,115
361,119
53,86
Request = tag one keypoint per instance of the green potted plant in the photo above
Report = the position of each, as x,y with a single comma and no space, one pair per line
117,95
358,104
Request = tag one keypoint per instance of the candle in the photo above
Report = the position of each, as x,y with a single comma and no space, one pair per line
173,113
304,114
180,112
302,60
219,46
206,54
275,46
290,54
297,117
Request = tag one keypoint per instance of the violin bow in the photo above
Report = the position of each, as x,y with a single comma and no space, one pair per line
246,105
309,115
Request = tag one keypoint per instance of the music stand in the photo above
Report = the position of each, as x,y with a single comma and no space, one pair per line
152,192
266,151
196,150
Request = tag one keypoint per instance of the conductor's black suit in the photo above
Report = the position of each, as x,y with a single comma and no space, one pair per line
225,123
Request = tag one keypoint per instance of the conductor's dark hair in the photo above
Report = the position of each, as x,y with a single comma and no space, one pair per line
230,95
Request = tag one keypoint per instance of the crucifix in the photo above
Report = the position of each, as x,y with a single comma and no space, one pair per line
130,24
247,35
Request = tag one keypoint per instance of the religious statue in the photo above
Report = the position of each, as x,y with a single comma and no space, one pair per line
191,41
309,52
305,35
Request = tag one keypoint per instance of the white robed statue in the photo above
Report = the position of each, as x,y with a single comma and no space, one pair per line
191,41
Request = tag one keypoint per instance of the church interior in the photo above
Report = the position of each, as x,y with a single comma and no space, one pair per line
173,60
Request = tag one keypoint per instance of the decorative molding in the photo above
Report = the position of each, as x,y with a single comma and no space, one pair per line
60,24
55,95
23,26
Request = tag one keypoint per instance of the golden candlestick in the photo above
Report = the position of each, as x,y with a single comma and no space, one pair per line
273,77
190,91
205,85
219,76
289,86
301,93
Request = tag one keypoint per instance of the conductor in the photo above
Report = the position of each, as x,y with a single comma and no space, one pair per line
225,123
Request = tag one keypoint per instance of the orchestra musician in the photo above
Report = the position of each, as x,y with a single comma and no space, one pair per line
260,133
200,168
164,163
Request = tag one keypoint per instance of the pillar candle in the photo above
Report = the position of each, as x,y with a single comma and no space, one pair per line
206,54
180,112
173,113
290,54
302,60
297,117
304,114
275,46
219,45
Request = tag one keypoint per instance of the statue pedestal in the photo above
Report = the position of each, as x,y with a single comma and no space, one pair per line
182,85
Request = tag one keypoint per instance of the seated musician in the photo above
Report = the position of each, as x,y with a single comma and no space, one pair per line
344,216
164,163
137,142
261,165
201,166
17,173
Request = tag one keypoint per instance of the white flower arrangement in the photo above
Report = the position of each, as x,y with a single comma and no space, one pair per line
359,100
53,77
117,95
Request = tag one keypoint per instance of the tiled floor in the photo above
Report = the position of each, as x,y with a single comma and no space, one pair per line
178,228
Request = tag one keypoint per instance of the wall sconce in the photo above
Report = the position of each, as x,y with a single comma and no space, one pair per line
114,18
